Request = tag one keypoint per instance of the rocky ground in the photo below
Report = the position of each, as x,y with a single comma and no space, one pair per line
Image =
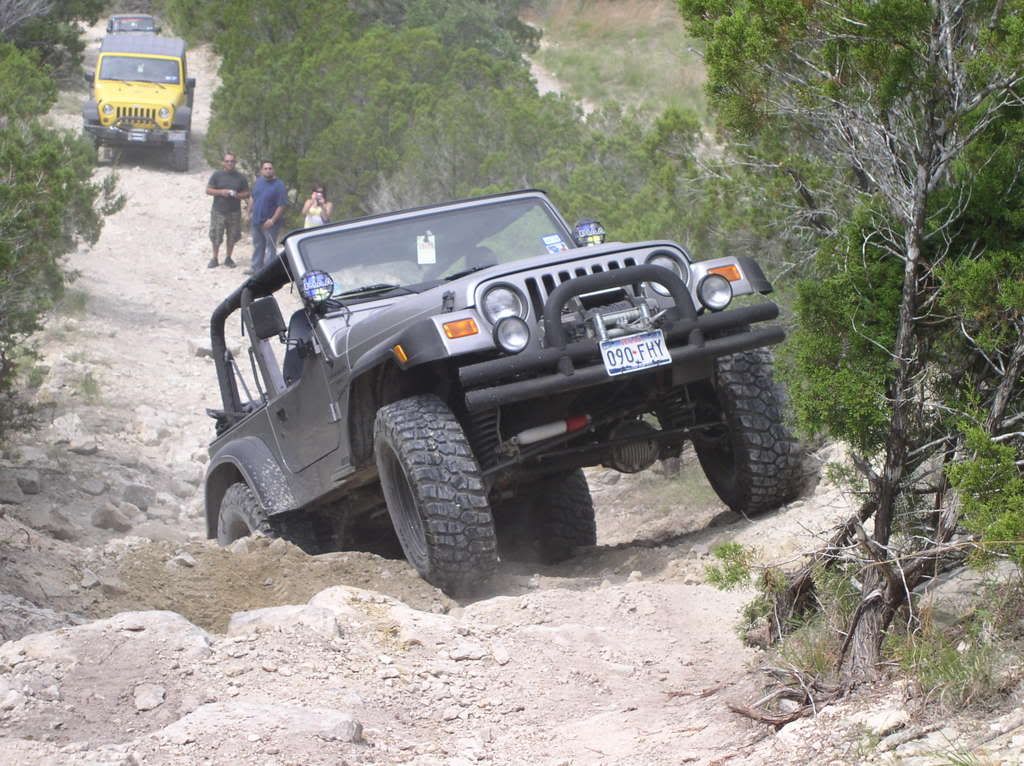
131,639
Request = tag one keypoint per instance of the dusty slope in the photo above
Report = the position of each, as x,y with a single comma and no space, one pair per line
621,656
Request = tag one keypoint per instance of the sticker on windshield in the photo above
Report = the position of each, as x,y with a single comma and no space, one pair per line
425,253
554,243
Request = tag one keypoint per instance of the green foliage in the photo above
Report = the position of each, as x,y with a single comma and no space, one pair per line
733,571
836,365
24,90
51,32
47,203
991,492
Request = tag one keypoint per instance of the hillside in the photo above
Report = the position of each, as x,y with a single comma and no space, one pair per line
131,639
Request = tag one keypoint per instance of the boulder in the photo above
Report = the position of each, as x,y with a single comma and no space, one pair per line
110,517
139,495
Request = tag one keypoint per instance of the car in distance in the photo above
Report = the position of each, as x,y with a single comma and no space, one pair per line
132,22
454,367
141,96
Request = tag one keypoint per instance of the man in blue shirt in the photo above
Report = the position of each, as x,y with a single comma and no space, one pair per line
269,199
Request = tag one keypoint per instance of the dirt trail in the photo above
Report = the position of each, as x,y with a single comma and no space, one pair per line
621,656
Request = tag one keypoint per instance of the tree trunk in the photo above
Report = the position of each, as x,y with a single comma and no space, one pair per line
861,651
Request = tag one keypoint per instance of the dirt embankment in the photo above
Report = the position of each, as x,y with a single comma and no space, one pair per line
263,655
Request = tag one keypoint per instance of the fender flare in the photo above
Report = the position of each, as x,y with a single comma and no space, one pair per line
247,459
90,112
182,118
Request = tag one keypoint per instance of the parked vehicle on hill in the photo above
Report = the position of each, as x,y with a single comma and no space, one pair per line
456,366
141,96
132,22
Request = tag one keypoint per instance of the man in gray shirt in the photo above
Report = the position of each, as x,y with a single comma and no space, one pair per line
228,188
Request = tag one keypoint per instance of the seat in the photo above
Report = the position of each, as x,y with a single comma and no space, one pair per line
300,333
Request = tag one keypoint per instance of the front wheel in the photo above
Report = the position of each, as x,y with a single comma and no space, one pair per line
435,493
179,157
752,460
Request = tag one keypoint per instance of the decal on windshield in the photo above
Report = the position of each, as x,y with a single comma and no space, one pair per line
425,253
554,243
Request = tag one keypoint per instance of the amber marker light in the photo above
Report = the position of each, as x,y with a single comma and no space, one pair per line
730,272
400,354
461,328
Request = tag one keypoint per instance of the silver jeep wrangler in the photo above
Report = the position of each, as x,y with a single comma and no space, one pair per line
454,367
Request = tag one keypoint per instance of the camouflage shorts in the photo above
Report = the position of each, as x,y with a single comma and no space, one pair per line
222,224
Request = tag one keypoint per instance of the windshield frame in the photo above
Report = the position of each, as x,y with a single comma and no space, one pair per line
107,57
297,243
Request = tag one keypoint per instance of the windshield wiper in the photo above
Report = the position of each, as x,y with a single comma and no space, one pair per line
470,270
378,287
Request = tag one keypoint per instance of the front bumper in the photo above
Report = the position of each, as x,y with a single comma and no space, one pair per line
562,366
117,136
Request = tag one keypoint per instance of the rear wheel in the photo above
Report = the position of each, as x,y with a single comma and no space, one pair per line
752,460
562,517
435,493
241,515
551,523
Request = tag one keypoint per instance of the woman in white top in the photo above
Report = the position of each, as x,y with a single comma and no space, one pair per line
317,209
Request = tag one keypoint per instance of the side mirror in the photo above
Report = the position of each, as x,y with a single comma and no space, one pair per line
156,29
110,26
190,83
88,75
265,320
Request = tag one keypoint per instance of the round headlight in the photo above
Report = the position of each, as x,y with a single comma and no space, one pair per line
164,113
511,334
502,301
715,292
673,264
108,109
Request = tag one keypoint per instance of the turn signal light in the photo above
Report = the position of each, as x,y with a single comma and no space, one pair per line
400,354
730,272
461,328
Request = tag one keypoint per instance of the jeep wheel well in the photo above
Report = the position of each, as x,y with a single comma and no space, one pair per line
217,484
381,385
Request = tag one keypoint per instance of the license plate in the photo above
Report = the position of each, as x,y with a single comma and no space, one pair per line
635,352
137,135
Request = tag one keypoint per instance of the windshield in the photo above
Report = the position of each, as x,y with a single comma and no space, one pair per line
435,245
138,69
133,24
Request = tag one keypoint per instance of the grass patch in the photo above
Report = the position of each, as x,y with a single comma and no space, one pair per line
73,303
89,388
971,663
632,52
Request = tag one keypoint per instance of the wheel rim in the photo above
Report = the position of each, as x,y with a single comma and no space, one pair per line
408,522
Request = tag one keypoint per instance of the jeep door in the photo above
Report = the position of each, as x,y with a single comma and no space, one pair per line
305,417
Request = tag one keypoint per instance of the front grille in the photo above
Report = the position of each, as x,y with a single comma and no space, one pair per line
142,116
539,286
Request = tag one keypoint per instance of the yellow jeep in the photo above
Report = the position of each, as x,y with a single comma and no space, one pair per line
141,95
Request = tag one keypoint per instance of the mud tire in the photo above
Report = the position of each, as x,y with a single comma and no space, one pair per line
754,463
435,493
179,157
562,517
241,515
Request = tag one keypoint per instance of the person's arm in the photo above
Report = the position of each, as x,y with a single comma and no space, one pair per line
328,210
275,218
307,205
243,193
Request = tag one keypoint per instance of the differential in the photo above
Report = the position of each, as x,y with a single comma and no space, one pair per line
636,454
